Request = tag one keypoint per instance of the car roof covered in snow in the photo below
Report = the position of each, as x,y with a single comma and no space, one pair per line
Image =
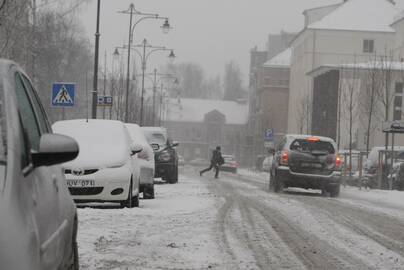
136,134
102,143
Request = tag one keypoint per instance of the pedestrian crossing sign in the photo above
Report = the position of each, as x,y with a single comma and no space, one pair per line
63,94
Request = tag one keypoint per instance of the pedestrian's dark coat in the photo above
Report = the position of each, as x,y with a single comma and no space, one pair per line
217,158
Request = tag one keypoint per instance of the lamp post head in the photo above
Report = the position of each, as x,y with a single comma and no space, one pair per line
171,56
166,26
116,53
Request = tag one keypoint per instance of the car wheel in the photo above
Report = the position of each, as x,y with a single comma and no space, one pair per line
148,192
173,178
278,184
334,192
129,201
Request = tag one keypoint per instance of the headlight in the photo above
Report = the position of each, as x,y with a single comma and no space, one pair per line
165,156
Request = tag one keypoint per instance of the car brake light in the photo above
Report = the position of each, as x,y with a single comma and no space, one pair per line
284,157
338,161
313,139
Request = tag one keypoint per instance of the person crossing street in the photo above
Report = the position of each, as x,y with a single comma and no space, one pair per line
215,162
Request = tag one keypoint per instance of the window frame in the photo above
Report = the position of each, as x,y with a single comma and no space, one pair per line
368,46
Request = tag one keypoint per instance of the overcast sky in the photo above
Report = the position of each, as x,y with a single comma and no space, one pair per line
208,32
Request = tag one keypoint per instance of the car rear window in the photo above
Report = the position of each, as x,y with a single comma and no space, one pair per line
305,145
154,137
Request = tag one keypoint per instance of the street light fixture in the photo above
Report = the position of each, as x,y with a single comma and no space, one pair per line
144,57
142,16
166,26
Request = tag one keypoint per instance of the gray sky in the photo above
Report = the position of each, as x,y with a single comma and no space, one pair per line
209,32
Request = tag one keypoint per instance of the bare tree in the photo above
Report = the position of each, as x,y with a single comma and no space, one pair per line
368,99
385,95
304,112
350,97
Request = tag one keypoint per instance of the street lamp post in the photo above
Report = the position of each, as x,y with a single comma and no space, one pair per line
165,27
95,81
145,57
155,82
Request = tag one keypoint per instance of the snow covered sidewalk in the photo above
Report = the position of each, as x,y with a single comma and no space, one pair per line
172,231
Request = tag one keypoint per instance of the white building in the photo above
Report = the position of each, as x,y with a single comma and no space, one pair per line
354,31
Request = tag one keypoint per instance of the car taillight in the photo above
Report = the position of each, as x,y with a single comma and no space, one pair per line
284,157
143,155
338,161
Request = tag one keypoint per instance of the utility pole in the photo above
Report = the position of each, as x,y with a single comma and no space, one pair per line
131,7
154,96
105,82
95,82
143,71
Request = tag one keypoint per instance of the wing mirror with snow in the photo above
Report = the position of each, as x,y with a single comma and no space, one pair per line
135,148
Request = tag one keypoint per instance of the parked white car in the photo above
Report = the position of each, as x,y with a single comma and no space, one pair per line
104,171
145,159
38,224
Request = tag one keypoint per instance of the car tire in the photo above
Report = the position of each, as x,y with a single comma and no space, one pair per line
334,191
148,192
173,178
278,184
129,201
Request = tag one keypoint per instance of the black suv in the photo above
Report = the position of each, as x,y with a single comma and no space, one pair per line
306,162
165,154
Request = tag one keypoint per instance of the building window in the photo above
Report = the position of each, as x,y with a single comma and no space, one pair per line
397,115
399,87
398,102
368,45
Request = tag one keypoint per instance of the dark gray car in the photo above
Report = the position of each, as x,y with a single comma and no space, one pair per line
306,162
38,217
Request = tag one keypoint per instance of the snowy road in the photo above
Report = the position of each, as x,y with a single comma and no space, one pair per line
235,223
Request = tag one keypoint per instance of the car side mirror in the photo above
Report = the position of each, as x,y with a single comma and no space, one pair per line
174,144
136,148
55,149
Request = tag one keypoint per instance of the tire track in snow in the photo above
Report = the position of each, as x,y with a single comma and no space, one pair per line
383,229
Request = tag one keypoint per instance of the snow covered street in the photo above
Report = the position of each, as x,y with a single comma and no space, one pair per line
235,223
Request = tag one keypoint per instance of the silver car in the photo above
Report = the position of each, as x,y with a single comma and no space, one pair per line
38,217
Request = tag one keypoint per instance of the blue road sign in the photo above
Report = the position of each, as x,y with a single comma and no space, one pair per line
269,135
63,94
104,101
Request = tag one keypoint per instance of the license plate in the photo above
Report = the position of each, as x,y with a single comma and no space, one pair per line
80,183
311,165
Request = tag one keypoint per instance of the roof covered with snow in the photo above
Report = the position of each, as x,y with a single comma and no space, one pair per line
283,59
360,15
390,65
194,110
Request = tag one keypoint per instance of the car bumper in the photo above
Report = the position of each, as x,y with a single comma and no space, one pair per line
228,168
106,184
163,169
315,181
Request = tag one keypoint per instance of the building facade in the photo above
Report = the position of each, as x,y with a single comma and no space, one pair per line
335,34
199,125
